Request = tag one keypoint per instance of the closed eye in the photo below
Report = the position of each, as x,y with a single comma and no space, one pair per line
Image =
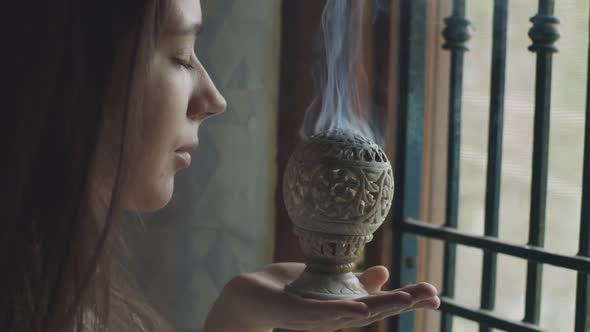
186,64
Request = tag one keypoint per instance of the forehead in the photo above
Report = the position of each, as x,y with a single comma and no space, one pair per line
186,11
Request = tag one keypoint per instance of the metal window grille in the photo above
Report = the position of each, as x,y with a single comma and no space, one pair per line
408,227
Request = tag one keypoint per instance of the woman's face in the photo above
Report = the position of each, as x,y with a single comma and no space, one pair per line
179,97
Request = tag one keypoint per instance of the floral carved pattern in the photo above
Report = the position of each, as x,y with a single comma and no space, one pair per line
347,181
352,193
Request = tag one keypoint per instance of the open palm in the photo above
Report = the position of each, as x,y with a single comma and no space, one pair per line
259,298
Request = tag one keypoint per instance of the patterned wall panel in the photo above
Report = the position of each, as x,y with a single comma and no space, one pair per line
220,221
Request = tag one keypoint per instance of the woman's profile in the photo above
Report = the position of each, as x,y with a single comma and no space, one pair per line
102,109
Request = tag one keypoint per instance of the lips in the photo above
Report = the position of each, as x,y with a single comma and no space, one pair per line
183,159
183,155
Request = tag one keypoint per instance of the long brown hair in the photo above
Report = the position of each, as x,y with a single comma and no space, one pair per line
58,240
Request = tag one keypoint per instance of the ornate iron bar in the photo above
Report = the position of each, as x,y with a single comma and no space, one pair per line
494,169
532,253
583,287
456,35
543,34
486,317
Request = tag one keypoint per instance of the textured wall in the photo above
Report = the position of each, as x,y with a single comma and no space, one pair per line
220,221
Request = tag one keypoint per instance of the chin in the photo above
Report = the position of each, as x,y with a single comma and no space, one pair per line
152,198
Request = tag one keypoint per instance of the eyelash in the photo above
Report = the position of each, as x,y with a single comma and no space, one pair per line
184,63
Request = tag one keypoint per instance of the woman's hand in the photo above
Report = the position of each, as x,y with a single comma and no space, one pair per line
257,301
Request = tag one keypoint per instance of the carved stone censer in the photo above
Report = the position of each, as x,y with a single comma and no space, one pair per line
338,188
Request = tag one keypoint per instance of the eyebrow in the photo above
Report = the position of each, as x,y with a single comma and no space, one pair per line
194,28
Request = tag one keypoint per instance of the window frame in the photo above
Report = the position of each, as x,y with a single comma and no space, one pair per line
435,150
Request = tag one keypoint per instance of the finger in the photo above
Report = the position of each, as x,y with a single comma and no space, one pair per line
374,278
431,303
385,301
420,291
319,310
308,314
376,318
372,305
400,299
337,309
353,323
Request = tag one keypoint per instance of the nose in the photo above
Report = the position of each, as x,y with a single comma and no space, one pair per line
206,101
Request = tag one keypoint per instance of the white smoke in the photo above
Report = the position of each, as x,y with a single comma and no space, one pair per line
343,102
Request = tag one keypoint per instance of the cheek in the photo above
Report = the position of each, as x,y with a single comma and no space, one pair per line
164,116
167,98
167,93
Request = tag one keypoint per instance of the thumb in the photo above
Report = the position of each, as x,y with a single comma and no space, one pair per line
374,278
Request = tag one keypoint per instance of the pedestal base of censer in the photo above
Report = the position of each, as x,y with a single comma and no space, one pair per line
328,266
323,286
